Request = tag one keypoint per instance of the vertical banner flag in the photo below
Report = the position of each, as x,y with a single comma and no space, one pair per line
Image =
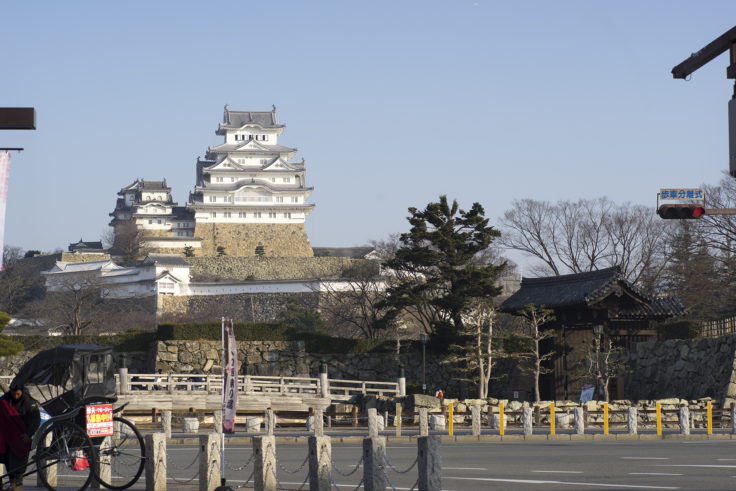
4,176
230,378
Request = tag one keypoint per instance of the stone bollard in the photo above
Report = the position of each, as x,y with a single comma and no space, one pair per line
733,418
401,382
51,470
253,425
217,420
103,464
429,463
316,423
155,462
475,414
124,381
633,420
397,419
320,463
423,421
579,421
270,421
527,420
166,422
372,422
437,422
374,451
190,425
209,462
684,420
264,463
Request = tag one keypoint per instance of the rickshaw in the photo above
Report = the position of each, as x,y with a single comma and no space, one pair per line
84,438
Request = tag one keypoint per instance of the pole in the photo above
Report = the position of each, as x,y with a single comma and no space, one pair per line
222,433
424,365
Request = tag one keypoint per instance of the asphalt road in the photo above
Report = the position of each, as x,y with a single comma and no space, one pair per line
537,465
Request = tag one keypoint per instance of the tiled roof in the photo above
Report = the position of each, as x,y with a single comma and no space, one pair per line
237,119
167,260
662,307
572,289
352,252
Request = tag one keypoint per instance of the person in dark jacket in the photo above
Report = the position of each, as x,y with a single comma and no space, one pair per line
20,417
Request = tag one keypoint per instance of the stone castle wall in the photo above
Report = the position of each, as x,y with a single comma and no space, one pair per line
241,307
278,240
686,368
228,268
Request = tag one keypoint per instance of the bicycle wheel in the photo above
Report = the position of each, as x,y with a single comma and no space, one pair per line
65,457
123,460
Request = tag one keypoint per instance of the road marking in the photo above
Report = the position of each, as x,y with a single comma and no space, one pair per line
562,472
645,458
653,474
564,483
465,468
725,459
715,466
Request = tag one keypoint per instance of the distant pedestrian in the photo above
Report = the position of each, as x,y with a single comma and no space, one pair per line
439,394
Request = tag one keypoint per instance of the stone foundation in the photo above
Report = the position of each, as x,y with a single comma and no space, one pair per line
231,268
278,240
241,307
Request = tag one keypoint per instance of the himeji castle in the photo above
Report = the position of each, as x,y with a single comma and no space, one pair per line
249,198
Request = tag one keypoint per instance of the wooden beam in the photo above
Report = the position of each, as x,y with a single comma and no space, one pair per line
709,52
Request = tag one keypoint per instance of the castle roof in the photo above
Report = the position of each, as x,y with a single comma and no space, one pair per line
166,260
238,119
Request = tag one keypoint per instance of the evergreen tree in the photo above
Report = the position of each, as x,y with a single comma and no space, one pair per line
436,262
7,345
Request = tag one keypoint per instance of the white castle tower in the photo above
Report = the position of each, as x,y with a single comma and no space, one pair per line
249,196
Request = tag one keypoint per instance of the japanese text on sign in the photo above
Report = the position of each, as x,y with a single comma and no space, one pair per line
682,194
99,420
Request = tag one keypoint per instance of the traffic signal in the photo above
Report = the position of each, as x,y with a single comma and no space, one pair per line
679,212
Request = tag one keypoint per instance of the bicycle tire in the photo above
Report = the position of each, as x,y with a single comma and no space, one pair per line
71,454
126,456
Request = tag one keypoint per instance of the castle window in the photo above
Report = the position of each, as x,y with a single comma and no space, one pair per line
227,214
159,222
287,215
257,214
279,199
273,179
287,179
265,137
232,179
241,214
218,179
150,222
213,214
295,199
271,214
213,199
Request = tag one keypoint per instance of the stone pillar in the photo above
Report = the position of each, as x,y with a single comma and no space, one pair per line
217,420
398,419
264,463
166,422
372,422
401,381
103,464
579,418
423,421
374,451
155,462
475,414
320,463
324,382
429,463
270,421
318,422
633,420
733,418
50,470
684,420
209,462
527,420
124,381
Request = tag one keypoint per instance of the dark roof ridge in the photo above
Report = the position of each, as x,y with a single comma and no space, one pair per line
613,272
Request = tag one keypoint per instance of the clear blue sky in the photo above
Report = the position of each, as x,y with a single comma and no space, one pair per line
390,103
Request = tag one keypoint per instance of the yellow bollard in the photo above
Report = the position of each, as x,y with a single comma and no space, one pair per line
398,419
551,418
710,418
450,418
659,419
500,417
605,418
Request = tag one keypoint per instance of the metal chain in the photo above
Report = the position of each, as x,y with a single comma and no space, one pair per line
388,463
284,468
359,484
275,475
357,466
243,466
186,481
385,474
175,467
415,485
306,479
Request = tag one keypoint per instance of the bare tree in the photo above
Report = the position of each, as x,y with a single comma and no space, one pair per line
355,303
73,305
605,361
535,317
126,240
587,235
477,355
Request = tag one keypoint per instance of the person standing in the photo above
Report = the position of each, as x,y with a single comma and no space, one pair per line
20,417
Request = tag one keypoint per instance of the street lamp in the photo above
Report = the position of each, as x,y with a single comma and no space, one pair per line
423,339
